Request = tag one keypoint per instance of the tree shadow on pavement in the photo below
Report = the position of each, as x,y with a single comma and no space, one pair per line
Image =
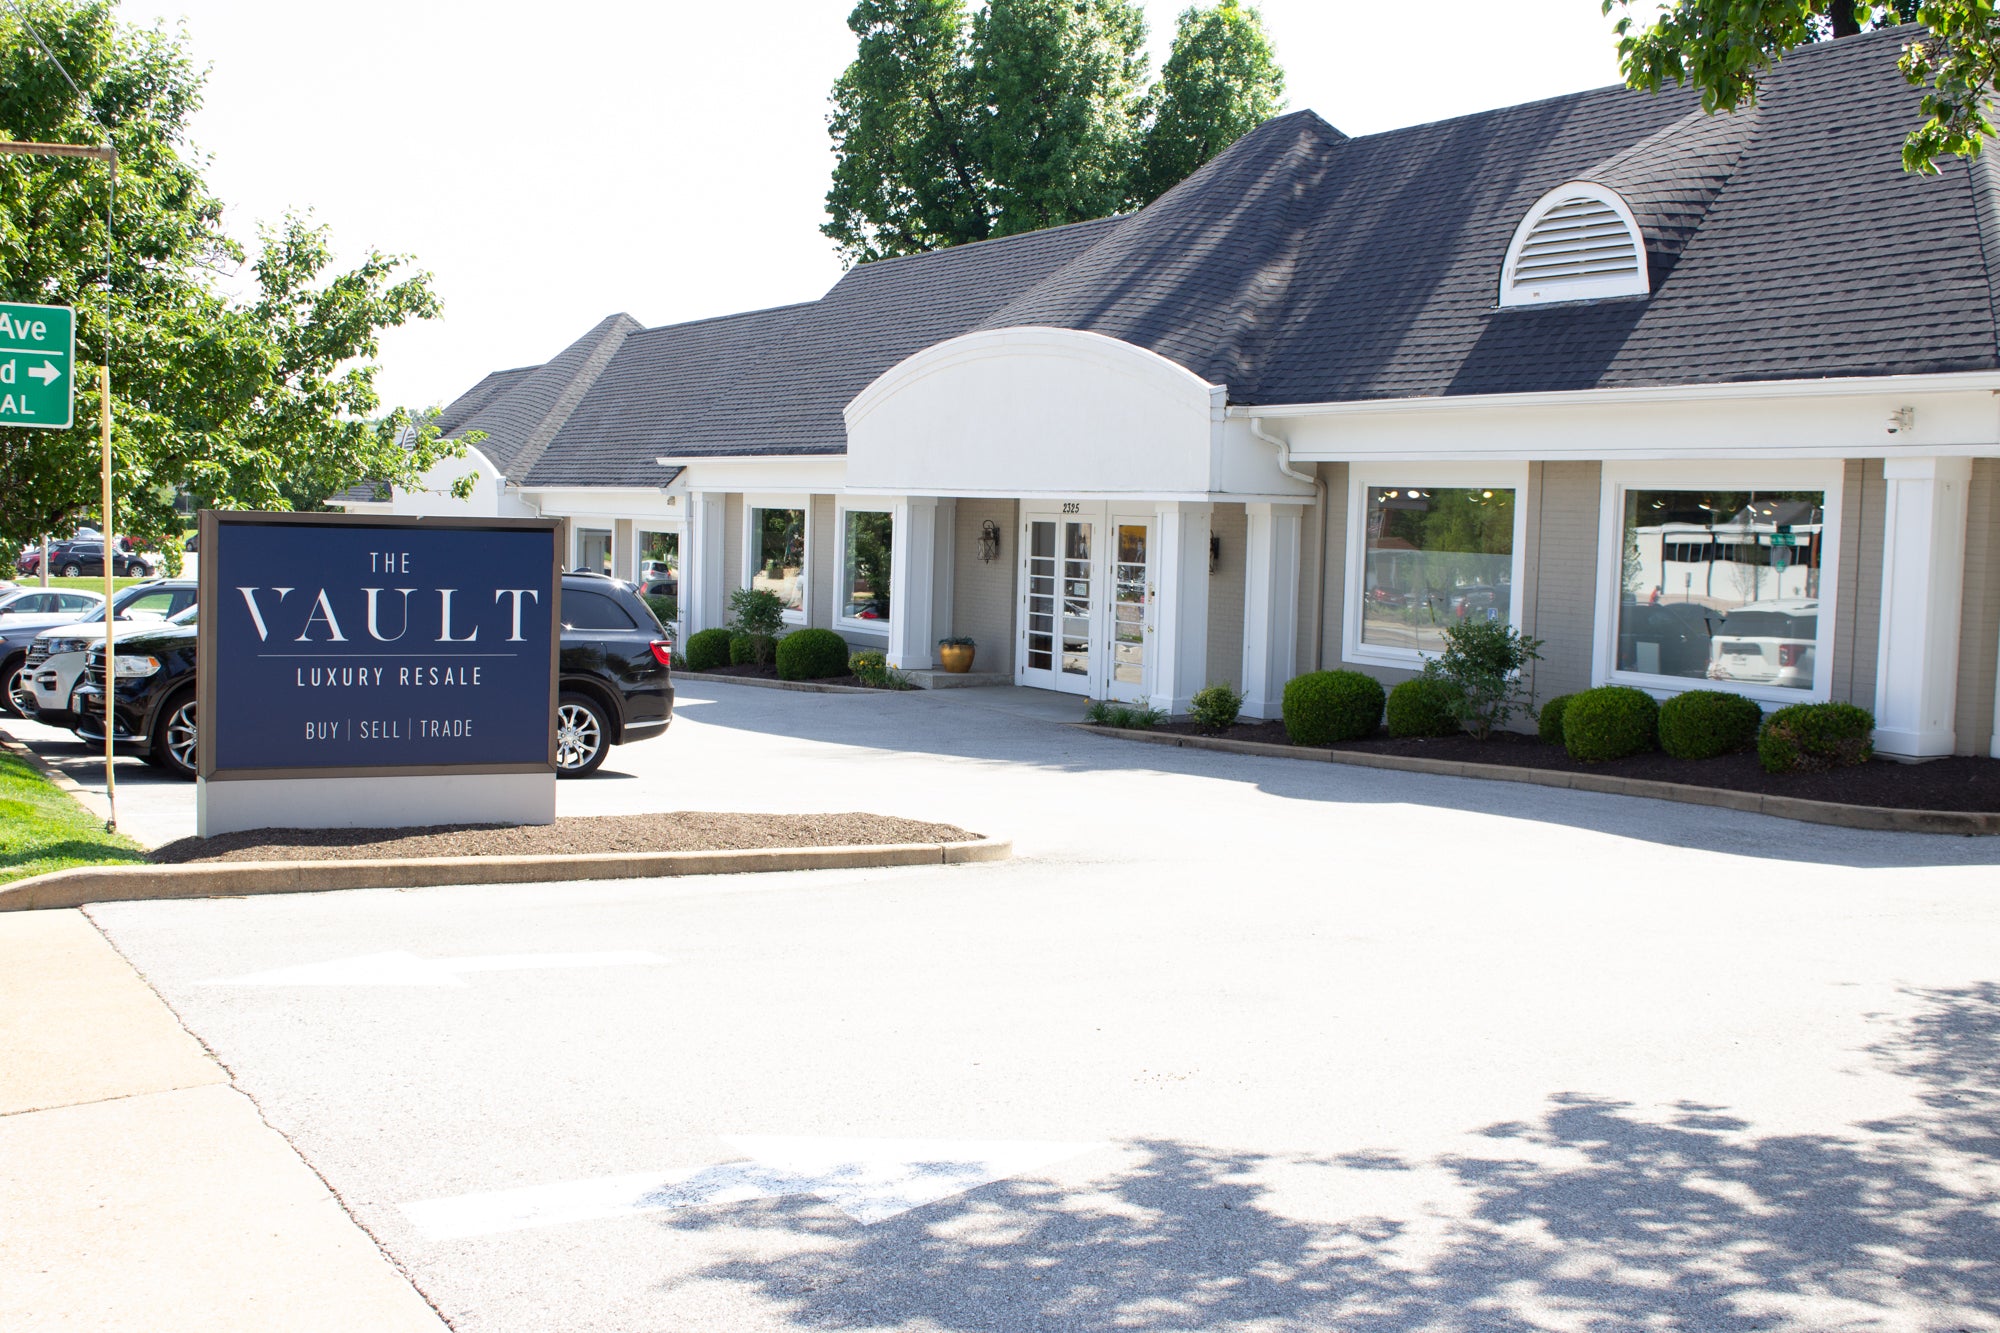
1593,1216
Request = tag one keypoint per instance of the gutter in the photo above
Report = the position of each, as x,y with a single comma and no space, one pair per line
1284,448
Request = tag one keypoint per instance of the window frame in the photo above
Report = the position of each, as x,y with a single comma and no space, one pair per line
754,502
1364,477
1823,475
842,578
577,531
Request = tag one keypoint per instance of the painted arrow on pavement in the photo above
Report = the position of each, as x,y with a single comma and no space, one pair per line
871,1180
406,969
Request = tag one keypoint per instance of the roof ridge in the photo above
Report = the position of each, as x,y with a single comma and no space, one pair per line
611,333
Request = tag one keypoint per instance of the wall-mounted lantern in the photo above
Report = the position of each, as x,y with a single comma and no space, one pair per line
1214,552
989,542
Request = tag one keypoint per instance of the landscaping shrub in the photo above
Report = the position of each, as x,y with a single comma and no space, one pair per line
1138,717
665,609
1702,724
811,654
1422,707
1325,707
870,666
1816,736
1549,722
1610,722
1481,664
1216,707
759,615
706,650
743,648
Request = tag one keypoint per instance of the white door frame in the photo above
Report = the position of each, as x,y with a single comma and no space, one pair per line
1097,682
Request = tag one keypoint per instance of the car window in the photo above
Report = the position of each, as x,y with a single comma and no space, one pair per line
151,606
186,616
34,602
593,610
72,601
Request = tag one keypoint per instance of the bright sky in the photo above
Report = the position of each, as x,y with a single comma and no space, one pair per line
552,164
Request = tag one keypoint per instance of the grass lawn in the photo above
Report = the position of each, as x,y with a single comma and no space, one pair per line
89,583
43,829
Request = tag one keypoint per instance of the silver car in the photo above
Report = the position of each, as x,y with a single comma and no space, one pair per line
1767,643
55,658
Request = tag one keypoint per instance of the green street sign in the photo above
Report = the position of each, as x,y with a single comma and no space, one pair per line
37,365
1784,539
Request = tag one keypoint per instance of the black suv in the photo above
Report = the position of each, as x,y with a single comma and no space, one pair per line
85,556
614,683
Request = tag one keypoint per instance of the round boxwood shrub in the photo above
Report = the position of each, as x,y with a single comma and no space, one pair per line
1216,707
1813,736
1702,724
1610,722
1549,722
742,649
811,654
1422,707
706,650
1324,707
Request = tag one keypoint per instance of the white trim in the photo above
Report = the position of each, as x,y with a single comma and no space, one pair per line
1855,387
754,501
1635,283
842,580
1822,475
1361,478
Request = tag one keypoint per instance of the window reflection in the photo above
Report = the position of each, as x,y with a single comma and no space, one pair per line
1435,555
1722,586
778,554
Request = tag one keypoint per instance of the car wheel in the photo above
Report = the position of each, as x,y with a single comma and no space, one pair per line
174,736
72,571
19,695
583,736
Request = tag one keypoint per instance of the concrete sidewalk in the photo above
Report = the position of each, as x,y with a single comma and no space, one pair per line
139,1190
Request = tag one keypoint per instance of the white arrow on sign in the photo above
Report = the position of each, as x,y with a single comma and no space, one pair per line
45,372
406,969
871,1180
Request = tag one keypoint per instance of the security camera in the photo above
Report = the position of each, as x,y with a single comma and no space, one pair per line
1902,419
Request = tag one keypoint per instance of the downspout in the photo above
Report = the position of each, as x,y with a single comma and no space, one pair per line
1284,448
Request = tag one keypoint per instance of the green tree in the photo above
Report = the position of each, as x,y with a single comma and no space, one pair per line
907,179
1221,81
1724,48
1059,88
257,403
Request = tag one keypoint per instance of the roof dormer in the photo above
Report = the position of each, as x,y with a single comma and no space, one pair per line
1579,242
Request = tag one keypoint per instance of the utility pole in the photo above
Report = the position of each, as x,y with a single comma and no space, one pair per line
109,156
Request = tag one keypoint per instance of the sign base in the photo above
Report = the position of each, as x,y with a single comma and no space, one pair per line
237,804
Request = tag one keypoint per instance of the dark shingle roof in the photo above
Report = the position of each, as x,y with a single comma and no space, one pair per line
1303,266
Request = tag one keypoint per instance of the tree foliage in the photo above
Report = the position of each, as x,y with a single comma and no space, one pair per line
1029,114
1724,47
1221,81
261,401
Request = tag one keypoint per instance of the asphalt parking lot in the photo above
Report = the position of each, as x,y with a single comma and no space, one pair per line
1233,1043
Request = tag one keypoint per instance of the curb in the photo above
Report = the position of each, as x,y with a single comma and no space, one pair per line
229,879
1876,818
759,683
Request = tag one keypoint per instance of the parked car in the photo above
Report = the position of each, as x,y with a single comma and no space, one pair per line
18,605
614,687
18,638
1666,638
56,657
1768,643
85,557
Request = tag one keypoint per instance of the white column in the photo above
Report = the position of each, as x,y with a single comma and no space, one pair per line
1179,648
704,601
1923,584
913,583
1270,605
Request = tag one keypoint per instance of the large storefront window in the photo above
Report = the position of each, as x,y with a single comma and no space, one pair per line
1722,586
593,550
864,567
778,556
1433,556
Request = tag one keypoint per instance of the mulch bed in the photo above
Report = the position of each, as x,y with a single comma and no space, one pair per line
680,831
769,672
1960,782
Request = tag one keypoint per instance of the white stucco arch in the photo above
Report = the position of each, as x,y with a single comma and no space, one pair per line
1036,411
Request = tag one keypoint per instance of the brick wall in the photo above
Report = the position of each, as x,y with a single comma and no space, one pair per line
1559,572
1230,524
1979,630
982,598
822,561
732,552
1858,613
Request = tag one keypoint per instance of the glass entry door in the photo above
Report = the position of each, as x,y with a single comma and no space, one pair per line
1086,603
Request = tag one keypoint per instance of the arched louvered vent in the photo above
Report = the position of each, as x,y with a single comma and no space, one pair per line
1578,243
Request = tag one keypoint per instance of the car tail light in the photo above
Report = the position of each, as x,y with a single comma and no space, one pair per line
1791,654
663,653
